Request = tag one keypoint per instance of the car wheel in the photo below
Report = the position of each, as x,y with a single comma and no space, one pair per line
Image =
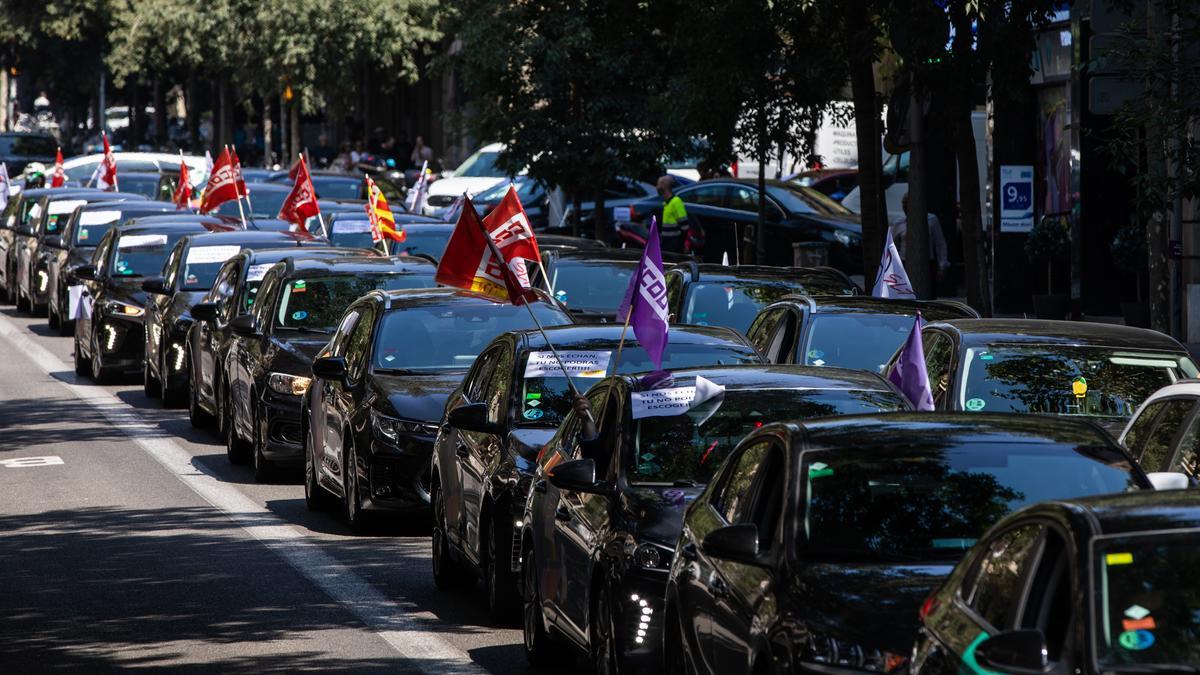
540,648
603,636
171,398
316,498
199,417
100,374
83,366
235,447
264,470
150,383
497,576
447,575
351,500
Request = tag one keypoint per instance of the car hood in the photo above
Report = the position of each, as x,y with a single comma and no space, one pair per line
456,185
294,356
658,511
127,290
841,222
417,397
873,605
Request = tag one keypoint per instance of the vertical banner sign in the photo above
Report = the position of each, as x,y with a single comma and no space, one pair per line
1016,199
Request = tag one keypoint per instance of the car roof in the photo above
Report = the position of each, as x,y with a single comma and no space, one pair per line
357,264
243,237
1040,331
135,227
605,335
397,299
267,187
94,195
719,272
1188,387
921,428
867,304
775,376
145,205
1142,510
600,256
211,222
273,255
429,227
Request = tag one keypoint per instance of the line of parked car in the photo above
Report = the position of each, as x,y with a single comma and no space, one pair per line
769,502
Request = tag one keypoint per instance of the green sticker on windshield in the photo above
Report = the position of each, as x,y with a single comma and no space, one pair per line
819,470
986,357
532,394
299,287
975,404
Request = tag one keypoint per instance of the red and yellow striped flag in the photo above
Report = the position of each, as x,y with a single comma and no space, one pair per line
383,224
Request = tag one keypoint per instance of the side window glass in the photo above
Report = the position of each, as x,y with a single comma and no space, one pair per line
711,195
1157,453
1187,459
780,344
765,505
735,492
1001,574
264,301
337,345
674,295
477,383
499,386
1049,606
1137,431
171,267
937,364
764,328
358,347
100,257
743,199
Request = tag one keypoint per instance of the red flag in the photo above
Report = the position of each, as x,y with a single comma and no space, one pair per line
301,202
183,191
59,177
106,171
469,262
510,229
239,180
222,185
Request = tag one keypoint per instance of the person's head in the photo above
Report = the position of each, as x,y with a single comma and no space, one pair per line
665,186
323,139
419,141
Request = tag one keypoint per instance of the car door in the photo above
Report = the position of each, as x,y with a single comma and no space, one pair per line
468,452
706,206
239,356
452,446
939,350
318,403
1157,451
342,398
204,337
157,305
91,291
737,589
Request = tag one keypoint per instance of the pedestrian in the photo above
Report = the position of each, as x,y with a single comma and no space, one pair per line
324,154
939,255
421,152
674,215
344,160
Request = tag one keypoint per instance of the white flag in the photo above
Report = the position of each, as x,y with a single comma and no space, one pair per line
419,191
892,280
5,186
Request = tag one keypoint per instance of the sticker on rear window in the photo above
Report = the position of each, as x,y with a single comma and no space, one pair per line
975,404
1079,387
140,240
352,227
199,255
1136,640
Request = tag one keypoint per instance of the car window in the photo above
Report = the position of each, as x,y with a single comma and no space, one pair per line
705,195
100,257
358,347
764,327
1048,606
1136,437
477,380
765,504
622,189
223,291
1156,454
1187,458
315,303
499,385
1001,573
938,350
745,198
337,344
171,267
731,501
780,344
858,341
732,303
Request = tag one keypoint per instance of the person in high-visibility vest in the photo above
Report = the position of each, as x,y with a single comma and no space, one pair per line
674,216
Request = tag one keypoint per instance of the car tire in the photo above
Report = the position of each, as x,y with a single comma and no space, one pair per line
264,469
540,647
199,417
100,373
602,635
498,581
351,501
83,365
447,573
19,301
150,385
316,498
171,398
235,447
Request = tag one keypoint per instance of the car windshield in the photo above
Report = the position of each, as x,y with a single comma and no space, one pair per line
201,264
553,395
689,447
859,341
429,242
145,184
931,501
318,303
336,187
1147,598
1065,380
479,165
448,336
800,199
591,287
27,146
733,304
351,233
264,203
528,190
58,212
139,255
93,225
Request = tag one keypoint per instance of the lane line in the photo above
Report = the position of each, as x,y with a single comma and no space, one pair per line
412,633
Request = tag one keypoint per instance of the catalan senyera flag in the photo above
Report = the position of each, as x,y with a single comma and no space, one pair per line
383,223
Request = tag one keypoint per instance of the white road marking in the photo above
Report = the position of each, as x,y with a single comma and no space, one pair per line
25,462
412,633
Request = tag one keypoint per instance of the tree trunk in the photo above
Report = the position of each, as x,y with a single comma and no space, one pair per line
916,240
760,226
267,128
193,110
160,112
1156,159
294,113
136,115
600,217
974,261
870,160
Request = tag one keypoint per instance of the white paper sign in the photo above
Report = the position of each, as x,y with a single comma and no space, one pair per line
257,272
98,217
674,401
64,206
198,255
35,211
352,227
578,364
136,240
79,302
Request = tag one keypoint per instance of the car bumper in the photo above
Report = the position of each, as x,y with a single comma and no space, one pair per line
121,344
399,474
639,601
284,442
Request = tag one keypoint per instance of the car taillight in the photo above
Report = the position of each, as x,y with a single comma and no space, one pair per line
931,603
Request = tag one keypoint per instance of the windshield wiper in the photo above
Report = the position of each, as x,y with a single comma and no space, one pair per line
396,371
304,329
684,482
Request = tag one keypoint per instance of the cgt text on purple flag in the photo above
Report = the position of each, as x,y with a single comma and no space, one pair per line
645,304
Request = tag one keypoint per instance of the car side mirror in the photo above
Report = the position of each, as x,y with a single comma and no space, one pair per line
155,286
1169,480
1014,651
738,543
53,241
328,367
578,476
205,311
245,325
472,417
85,272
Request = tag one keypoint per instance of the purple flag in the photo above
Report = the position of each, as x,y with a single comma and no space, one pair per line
909,374
645,303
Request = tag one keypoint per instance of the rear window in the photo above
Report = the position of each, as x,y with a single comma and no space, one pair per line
318,303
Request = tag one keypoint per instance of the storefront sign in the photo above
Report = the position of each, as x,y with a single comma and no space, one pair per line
1016,198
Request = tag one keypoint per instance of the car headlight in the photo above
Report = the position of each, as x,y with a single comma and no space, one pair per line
652,556
124,309
390,428
830,651
844,237
289,385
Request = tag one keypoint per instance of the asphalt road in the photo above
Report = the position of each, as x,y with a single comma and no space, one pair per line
133,543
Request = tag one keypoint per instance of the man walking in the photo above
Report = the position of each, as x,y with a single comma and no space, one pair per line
939,254
674,216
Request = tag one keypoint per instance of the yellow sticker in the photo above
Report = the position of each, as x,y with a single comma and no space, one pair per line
1119,558
1079,387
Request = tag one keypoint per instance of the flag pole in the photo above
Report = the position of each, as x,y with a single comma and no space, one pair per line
621,344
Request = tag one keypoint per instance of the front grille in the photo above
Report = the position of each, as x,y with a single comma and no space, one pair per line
286,432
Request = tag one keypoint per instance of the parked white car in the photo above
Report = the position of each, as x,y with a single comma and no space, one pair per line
80,168
476,174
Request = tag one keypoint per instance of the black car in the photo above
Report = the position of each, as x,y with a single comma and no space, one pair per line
264,202
507,407
332,185
604,514
860,332
109,335
353,228
421,238
1088,586
186,276
234,289
562,242
1095,370
19,148
591,283
268,362
813,549
710,294
380,387
148,184
727,210
619,194
17,214
73,246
